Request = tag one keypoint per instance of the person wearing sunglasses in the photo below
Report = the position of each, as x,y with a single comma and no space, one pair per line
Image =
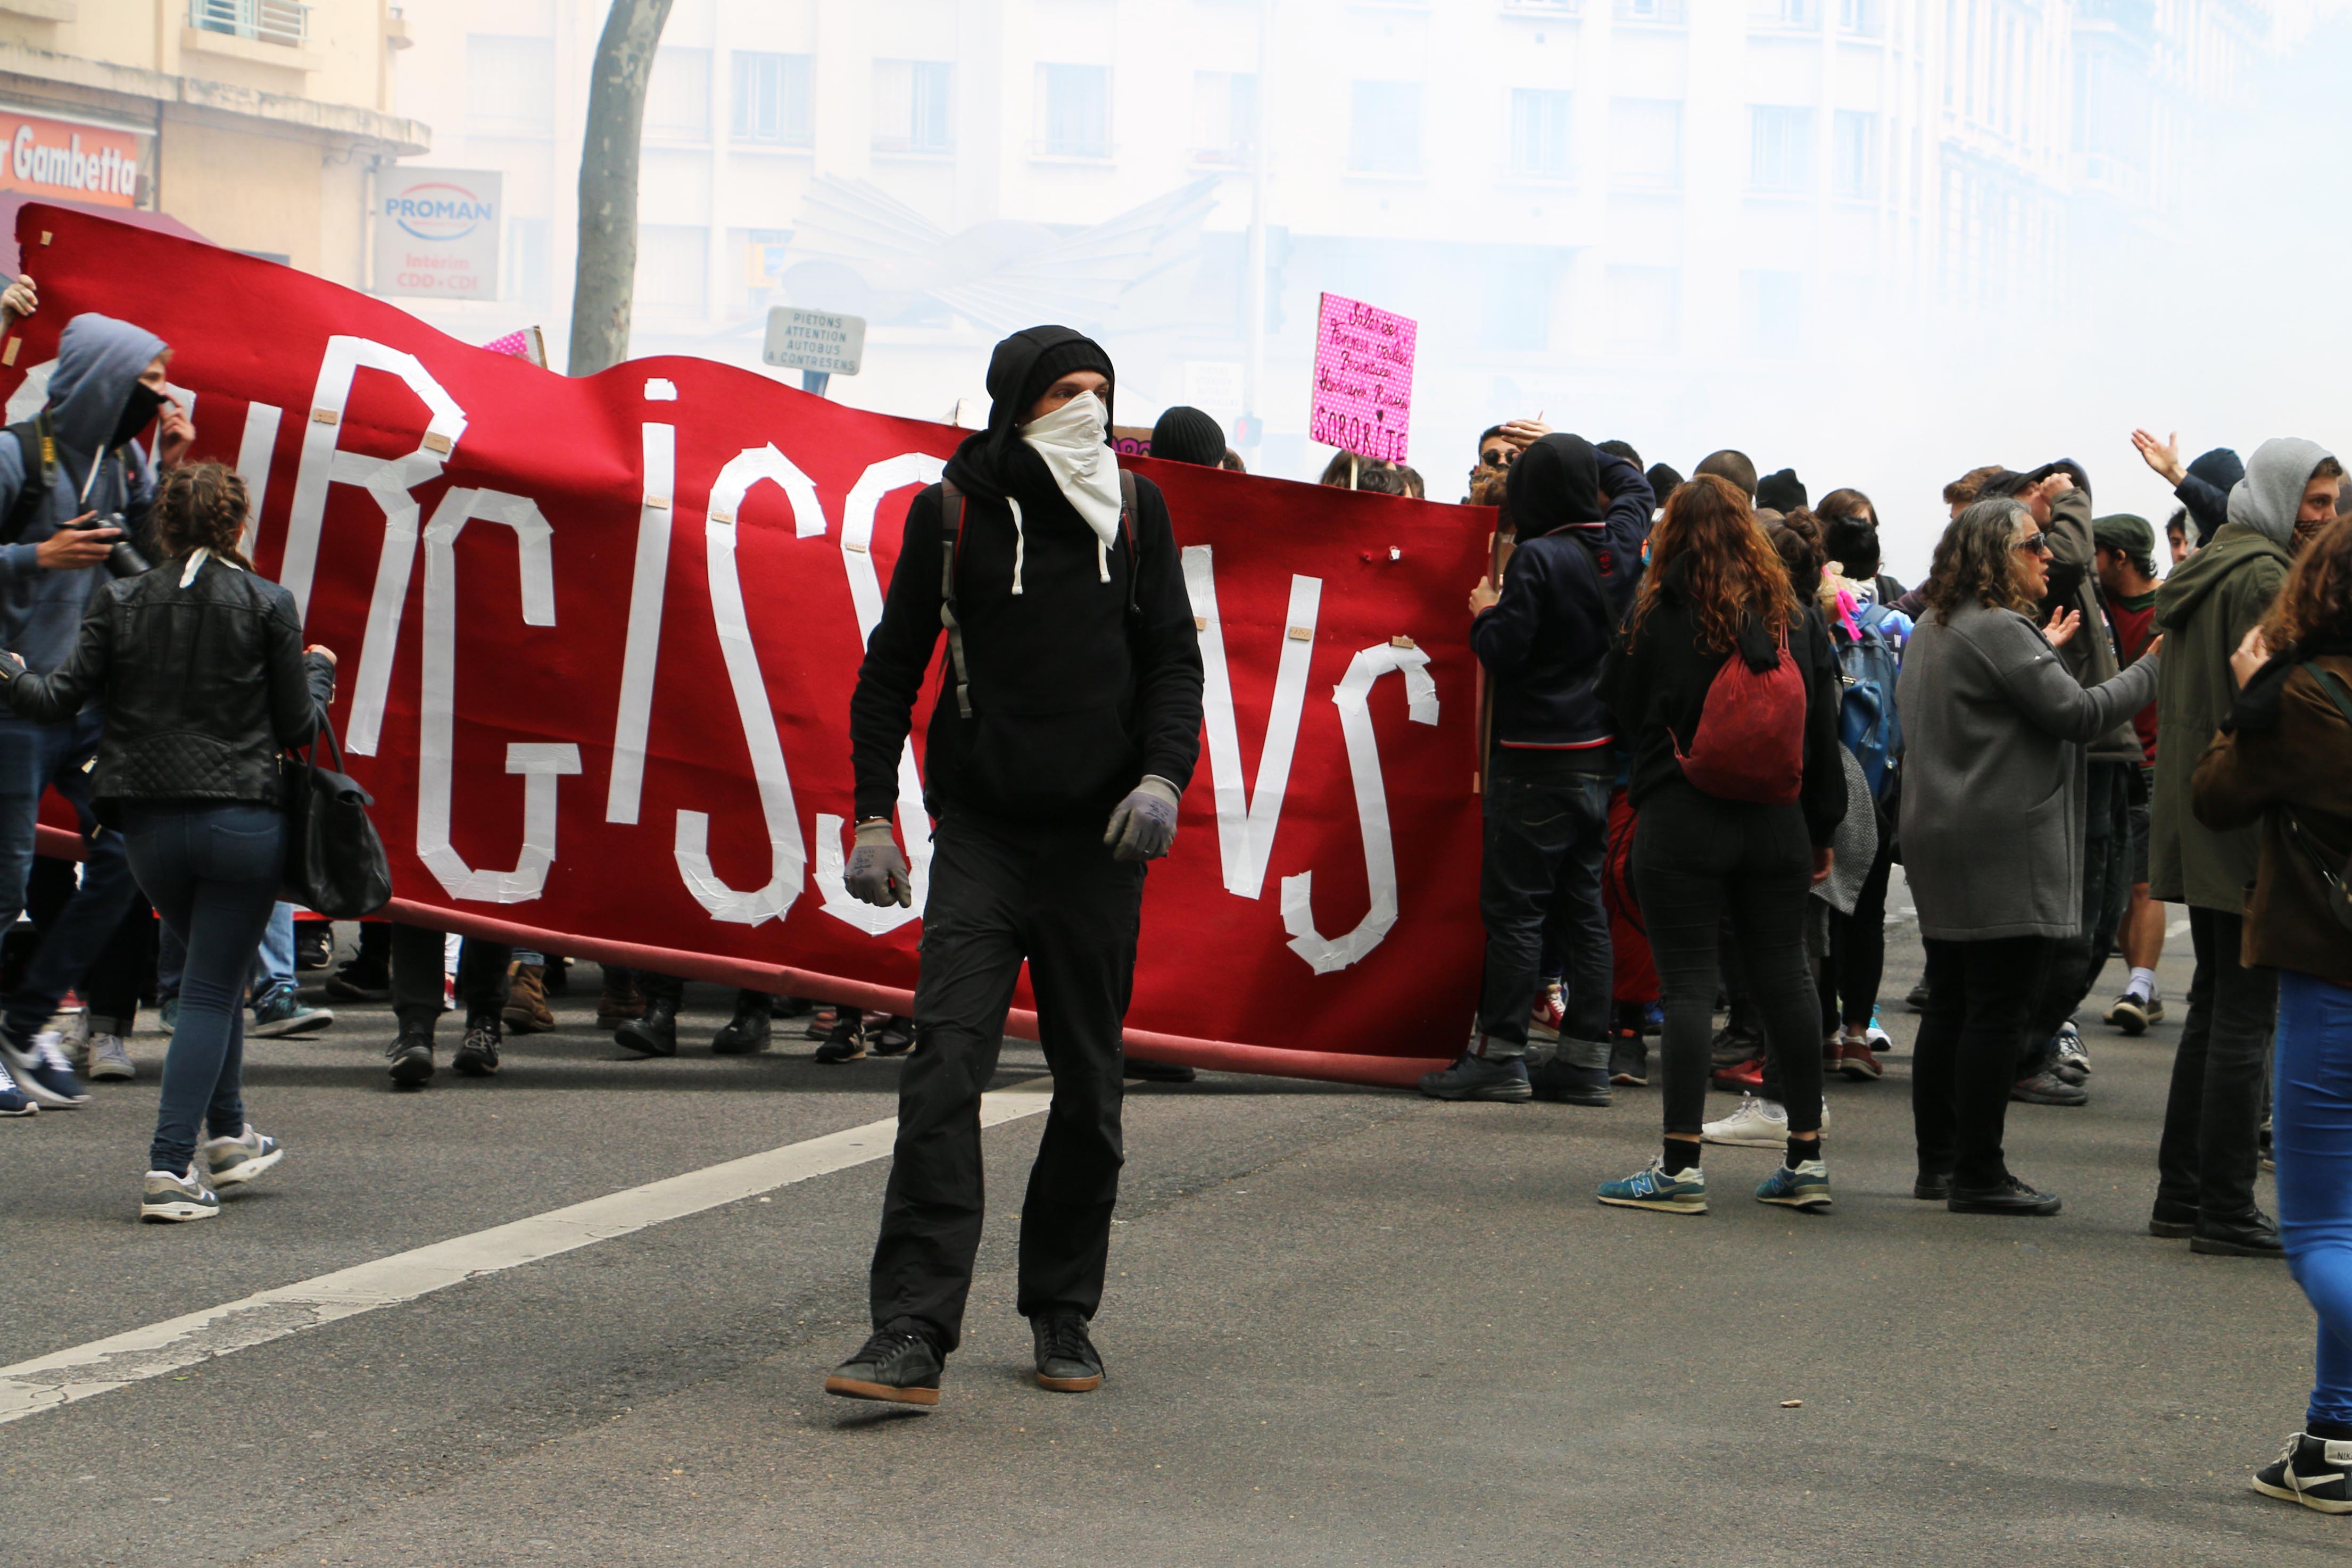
1995,730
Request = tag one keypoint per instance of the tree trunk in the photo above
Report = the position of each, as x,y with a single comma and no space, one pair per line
607,269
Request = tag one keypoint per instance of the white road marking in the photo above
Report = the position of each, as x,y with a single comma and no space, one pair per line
47,1381
2178,929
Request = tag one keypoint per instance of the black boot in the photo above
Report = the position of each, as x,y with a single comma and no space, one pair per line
656,1034
746,1033
2254,1234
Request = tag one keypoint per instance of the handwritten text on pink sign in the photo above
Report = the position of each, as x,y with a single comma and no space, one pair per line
1364,378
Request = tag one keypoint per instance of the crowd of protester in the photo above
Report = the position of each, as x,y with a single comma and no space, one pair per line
1715,728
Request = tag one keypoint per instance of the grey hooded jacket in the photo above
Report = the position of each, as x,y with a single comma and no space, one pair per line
1994,729
2205,609
100,359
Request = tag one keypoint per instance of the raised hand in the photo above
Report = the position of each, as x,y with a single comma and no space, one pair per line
2063,624
2164,457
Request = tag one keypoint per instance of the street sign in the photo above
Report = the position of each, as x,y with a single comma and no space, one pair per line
821,340
1364,378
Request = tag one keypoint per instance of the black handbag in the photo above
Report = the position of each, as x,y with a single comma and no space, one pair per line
335,863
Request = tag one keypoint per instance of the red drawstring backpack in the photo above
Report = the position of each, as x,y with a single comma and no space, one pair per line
1750,740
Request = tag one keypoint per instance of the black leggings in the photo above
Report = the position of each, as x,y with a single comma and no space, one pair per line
1857,955
1980,998
1697,858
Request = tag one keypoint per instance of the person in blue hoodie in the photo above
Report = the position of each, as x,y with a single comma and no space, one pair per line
1580,514
86,469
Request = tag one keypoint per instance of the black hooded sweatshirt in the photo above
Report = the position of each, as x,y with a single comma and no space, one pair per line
1569,582
1073,699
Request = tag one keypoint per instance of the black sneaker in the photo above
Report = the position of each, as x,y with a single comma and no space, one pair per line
747,1033
314,945
2046,1088
654,1032
1473,1077
1733,1046
2254,1236
478,1056
412,1059
1933,1186
1067,1361
359,981
2172,1221
893,1036
1629,1059
893,1366
845,1042
2312,1471
2009,1195
1917,1000
1562,1084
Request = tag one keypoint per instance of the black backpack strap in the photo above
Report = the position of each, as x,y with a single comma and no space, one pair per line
951,509
37,446
1134,555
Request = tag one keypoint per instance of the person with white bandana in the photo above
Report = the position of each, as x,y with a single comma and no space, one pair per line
1067,726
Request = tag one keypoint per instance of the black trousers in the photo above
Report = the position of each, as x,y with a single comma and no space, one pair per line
1001,892
1856,959
416,977
2212,1120
2106,895
1980,998
1695,860
1547,829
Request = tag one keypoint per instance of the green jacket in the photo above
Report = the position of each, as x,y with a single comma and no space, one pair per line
2204,610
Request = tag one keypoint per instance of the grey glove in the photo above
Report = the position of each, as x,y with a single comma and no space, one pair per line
878,871
1143,825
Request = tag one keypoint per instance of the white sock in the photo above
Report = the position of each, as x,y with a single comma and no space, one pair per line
2144,982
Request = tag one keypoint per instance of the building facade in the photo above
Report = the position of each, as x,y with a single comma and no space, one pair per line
1580,200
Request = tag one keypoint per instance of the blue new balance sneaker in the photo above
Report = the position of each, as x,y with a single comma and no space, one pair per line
1684,1192
1805,1187
14,1102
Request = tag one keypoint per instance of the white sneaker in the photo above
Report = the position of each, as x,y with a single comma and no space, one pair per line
103,1056
2069,1040
233,1162
173,1199
1757,1124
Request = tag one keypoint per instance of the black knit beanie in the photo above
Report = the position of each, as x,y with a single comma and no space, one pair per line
1189,435
1075,354
1782,492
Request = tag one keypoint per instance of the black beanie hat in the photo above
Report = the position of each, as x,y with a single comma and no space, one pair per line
1662,481
1188,435
1782,492
1073,353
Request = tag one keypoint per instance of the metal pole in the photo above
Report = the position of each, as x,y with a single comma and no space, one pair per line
1253,367
816,381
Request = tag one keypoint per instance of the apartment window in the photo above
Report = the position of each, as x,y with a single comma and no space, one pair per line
1384,127
2111,107
912,106
1853,151
1866,17
677,96
509,84
1225,116
1540,120
774,98
1074,111
529,276
1785,12
673,266
1780,150
1514,310
1772,314
1669,12
1646,142
1645,310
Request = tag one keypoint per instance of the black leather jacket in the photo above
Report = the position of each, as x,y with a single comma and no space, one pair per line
204,682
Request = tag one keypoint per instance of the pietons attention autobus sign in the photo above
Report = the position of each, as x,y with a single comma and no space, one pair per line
436,233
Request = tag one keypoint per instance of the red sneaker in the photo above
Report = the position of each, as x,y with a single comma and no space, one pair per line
1855,1061
1551,1009
1745,1077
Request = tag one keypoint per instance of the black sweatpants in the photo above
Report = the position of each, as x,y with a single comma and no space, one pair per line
1001,893
1980,998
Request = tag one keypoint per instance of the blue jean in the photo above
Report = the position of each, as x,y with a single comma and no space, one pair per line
2312,1133
33,756
273,963
213,874
1547,831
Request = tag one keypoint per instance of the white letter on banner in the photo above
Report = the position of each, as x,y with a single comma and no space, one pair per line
1246,821
641,651
253,455
1322,954
437,725
389,480
866,597
787,853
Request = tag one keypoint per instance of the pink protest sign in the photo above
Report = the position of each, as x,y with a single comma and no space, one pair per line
1364,378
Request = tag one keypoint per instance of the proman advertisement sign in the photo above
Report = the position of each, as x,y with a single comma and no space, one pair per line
436,233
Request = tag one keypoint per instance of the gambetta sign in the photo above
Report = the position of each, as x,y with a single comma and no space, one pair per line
598,637
81,162
436,233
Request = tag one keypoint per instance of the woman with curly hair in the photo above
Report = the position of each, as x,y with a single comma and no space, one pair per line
1716,591
2282,760
1993,775
200,669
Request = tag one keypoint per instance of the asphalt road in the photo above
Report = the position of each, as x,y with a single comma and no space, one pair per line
1344,1327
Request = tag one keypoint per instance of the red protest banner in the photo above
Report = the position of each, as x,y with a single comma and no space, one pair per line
598,638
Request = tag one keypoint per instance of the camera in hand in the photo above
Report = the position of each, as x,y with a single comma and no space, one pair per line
123,560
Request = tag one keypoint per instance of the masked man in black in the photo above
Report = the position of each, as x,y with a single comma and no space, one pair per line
1067,722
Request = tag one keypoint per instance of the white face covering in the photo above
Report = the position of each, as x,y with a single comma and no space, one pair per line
1070,440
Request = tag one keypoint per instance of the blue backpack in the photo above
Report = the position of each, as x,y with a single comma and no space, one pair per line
1867,722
